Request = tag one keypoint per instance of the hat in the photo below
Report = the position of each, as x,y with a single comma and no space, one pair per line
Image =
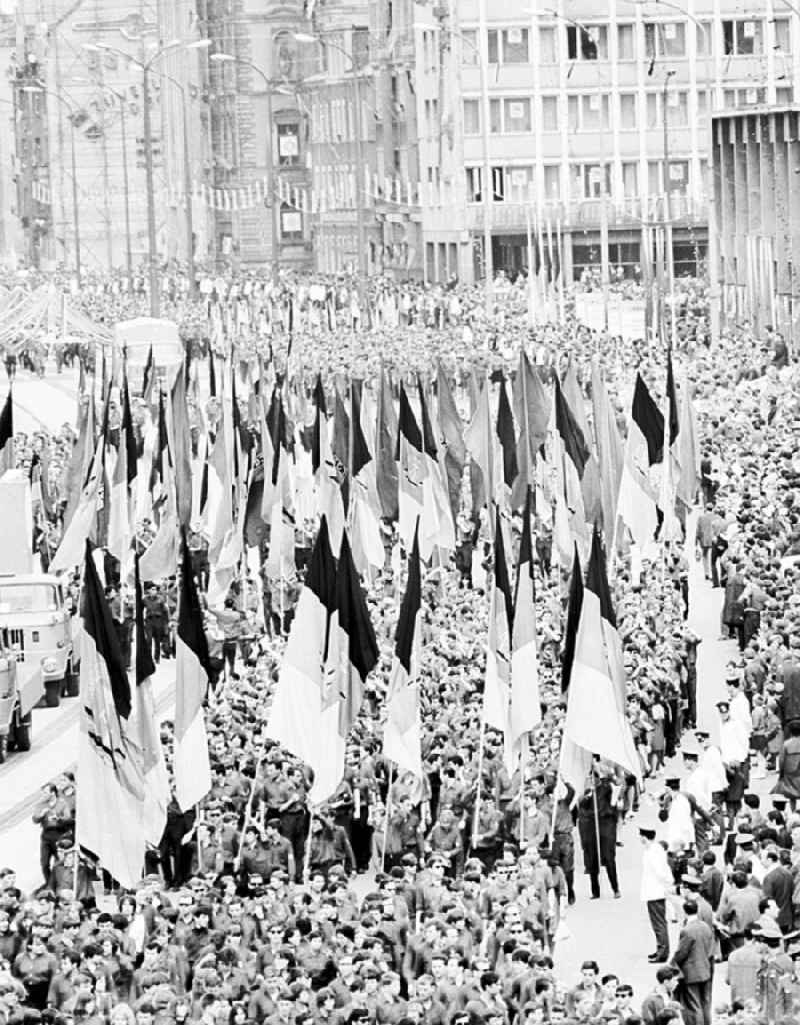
648,834
723,705
673,783
692,879
693,756
743,839
702,734
767,929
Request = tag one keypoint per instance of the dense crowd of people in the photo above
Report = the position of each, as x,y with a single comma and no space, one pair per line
408,903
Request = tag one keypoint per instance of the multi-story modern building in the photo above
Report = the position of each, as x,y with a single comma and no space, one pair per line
582,117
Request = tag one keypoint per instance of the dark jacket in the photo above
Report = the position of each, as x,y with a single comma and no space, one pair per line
695,952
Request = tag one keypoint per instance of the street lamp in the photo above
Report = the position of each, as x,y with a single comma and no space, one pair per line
305,37
227,58
145,66
40,89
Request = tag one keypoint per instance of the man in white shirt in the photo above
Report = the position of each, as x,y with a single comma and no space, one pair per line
657,882
698,782
734,746
739,703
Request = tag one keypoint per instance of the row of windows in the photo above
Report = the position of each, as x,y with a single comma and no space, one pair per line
736,37
591,112
585,180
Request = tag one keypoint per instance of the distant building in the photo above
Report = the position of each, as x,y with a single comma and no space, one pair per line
756,256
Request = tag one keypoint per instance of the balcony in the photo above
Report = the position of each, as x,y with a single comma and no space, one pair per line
586,214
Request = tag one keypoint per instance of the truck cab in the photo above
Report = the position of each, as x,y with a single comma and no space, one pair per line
15,707
37,624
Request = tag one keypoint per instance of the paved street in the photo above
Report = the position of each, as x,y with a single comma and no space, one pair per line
46,402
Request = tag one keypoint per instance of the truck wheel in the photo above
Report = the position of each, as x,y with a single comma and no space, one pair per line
52,693
3,748
22,733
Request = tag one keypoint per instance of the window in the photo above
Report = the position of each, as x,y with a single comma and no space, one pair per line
587,42
552,181
704,38
475,189
627,112
469,47
626,42
518,181
677,111
783,35
665,38
291,224
28,598
550,114
587,113
508,46
289,145
745,97
472,117
517,115
495,117
784,96
677,176
360,47
743,38
548,45
586,181
630,179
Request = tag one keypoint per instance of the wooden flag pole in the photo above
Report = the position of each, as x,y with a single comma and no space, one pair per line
522,760
387,815
307,854
476,816
596,821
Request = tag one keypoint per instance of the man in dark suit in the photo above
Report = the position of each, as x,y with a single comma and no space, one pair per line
694,957
778,885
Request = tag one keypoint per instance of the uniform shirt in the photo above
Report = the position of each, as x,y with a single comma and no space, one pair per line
656,874
734,742
712,765
740,711
698,784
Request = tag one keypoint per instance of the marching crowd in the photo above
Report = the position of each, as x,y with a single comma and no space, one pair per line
416,904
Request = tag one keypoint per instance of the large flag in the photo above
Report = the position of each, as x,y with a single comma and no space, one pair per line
574,606
532,412
609,448
352,655
145,727
590,478
570,456
280,561
192,769
438,528
77,469
596,719
365,526
526,708
497,688
410,457
83,523
120,519
330,502
482,442
644,448
386,473
182,447
452,450
7,461
109,819
688,449
507,442
670,470
402,742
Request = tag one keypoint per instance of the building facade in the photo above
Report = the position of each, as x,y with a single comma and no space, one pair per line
584,117
756,250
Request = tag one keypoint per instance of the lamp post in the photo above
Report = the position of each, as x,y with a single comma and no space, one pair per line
75,215
145,67
227,58
361,238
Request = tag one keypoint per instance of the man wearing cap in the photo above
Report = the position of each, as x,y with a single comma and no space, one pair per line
734,745
739,705
656,884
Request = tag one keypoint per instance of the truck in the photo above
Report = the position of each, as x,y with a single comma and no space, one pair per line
16,706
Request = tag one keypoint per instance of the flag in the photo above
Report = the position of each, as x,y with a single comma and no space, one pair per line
145,724
688,449
596,717
570,456
77,470
410,457
365,526
192,769
83,523
7,459
280,560
574,606
526,708
452,450
340,448
497,688
532,412
295,718
182,447
590,477
506,439
482,443
609,448
670,469
109,820
644,447
386,472
402,733
120,520
329,493
352,655
438,528
159,470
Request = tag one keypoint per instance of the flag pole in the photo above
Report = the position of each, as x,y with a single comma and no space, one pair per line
522,760
387,814
307,854
479,781
596,820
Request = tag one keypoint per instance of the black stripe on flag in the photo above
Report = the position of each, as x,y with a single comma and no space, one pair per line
649,419
190,613
574,606
129,438
353,615
99,625
597,580
361,454
409,609
672,399
145,667
428,439
505,432
321,573
571,433
407,425
501,580
6,422
316,440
